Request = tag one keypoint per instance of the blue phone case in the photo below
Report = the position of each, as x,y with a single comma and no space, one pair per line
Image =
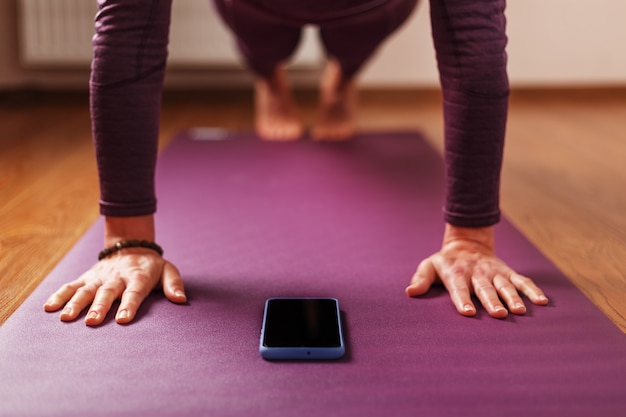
314,352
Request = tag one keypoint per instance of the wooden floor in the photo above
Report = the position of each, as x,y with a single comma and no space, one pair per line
564,178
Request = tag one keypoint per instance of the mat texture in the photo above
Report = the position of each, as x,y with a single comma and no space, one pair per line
246,220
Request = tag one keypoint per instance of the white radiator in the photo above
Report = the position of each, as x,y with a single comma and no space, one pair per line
58,33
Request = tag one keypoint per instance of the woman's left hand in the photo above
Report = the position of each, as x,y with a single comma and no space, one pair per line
466,265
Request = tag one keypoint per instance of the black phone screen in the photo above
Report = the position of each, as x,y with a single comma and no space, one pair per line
302,322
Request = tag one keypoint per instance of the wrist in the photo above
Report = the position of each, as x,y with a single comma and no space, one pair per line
118,229
483,236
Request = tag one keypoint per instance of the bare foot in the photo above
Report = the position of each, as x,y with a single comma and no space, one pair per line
337,105
275,112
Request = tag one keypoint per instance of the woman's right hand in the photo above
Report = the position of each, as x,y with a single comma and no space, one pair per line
128,275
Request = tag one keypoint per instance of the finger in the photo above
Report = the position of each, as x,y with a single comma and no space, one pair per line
173,284
79,301
105,296
62,296
456,284
528,288
132,298
507,292
423,279
488,296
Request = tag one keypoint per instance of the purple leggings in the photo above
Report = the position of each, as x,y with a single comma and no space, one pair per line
267,37
130,52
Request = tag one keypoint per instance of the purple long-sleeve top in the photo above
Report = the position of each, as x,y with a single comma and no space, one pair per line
130,53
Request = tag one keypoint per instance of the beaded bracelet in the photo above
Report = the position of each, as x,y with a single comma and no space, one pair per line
129,244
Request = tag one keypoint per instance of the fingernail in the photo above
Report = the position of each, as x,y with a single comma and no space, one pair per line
67,311
520,306
499,308
93,315
179,294
122,314
468,307
542,298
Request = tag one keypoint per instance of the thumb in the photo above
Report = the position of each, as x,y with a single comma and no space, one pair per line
173,284
423,279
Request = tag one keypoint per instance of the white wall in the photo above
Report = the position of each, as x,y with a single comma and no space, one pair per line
551,42
567,41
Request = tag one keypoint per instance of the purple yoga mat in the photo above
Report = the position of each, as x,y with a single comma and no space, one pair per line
245,220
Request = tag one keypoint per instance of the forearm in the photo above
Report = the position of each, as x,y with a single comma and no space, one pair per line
470,41
130,53
474,144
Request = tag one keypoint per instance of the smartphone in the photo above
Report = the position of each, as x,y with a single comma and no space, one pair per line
302,328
